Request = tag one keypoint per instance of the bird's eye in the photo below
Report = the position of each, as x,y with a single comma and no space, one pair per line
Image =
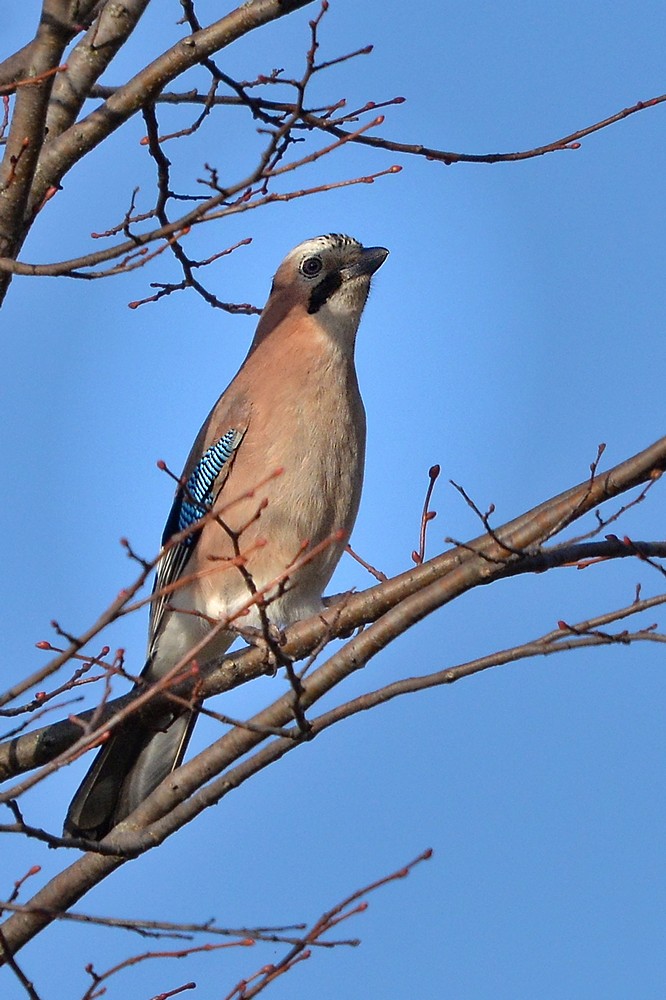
311,266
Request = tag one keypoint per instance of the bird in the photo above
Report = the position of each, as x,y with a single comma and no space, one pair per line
275,472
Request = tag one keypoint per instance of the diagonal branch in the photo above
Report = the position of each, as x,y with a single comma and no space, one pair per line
88,60
27,131
409,597
448,157
412,596
61,155
216,207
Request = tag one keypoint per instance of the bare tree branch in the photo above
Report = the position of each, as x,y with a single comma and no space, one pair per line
408,598
88,60
27,130
46,130
32,169
448,157
63,153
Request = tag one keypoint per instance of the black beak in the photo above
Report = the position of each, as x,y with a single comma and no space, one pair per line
370,259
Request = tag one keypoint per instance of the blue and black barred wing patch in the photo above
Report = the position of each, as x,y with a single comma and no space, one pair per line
192,502
199,492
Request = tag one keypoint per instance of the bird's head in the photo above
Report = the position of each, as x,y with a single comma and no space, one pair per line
328,278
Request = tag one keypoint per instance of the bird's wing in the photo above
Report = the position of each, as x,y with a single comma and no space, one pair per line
206,475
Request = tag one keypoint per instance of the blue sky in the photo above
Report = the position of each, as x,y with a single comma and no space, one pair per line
518,323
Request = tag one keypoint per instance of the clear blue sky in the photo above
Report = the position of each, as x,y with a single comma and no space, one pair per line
518,322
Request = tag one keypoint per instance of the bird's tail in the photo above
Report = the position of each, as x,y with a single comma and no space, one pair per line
127,769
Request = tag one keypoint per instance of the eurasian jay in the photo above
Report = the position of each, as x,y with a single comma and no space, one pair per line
294,406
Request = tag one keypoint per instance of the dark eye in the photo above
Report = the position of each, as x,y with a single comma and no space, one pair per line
311,266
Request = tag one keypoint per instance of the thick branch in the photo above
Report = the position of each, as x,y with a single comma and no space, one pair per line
88,60
14,68
165,810
27,130
143,88
410,596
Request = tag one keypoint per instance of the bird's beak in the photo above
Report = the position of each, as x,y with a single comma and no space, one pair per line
370,259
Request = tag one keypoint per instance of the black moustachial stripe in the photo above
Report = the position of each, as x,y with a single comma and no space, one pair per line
323,291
